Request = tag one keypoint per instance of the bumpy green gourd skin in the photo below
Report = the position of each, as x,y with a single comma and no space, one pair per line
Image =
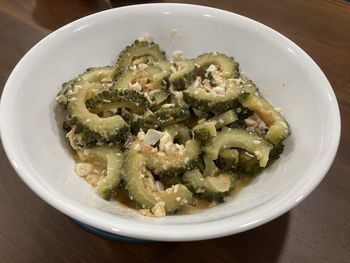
91,75
108,185
133,166
89,127
180,79
155,75
140,52
224,119
226,65
172,164
210,188
203,132
160,118
278,127
218,103
131,99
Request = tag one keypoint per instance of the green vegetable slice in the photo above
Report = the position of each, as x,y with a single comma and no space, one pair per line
206,101
168,114
248,164
210,168
135,177
170,163
179,132
227,66
142,79
278,126
102,75
89,127
140,52
112,157
224,119
203,132
118,98
184,74
236,138
212,188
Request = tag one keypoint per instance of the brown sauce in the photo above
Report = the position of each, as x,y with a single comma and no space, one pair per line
123,198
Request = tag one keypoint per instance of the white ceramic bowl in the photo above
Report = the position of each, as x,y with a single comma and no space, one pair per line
287,76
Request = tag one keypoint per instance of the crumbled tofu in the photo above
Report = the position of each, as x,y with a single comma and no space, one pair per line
137,147
77,88
256,124
136,86
178,55
146,212
142,66
166,138
108,84
178,198
93,178
278,109
219,80
206,85
212,68
83,169
145,38
168,105
133,67
176,188
141,135
74,139
184,201
169,147
219,90
107,79
159,209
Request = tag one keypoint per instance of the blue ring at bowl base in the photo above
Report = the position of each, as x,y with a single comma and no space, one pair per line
110,236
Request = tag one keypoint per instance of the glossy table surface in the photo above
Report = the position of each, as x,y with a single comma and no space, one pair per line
317,230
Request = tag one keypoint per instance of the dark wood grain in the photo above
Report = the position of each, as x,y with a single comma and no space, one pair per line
317,230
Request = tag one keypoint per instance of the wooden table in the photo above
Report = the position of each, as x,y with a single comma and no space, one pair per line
317,230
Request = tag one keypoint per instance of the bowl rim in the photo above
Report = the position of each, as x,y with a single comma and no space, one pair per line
139,229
